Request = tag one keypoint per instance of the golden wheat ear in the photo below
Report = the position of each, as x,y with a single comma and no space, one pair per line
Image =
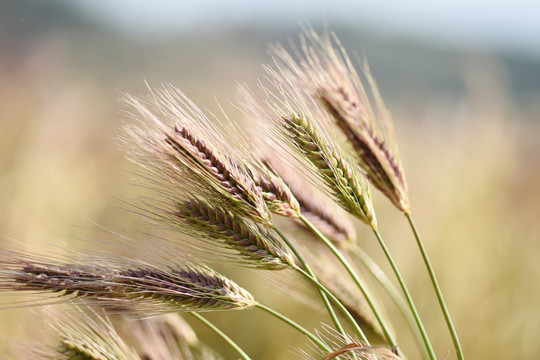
255,246
359,113
187,155
122,284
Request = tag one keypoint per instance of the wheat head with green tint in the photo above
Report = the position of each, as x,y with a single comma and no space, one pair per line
348,187
293,122
330,78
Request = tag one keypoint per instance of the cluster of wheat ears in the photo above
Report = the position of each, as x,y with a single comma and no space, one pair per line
323,136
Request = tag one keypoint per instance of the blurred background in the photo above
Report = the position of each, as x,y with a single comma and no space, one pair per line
462,80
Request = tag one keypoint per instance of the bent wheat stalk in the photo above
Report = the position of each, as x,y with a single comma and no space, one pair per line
325,293
222,335
389,337
437,288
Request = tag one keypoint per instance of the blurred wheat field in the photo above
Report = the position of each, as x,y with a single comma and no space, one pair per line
471,161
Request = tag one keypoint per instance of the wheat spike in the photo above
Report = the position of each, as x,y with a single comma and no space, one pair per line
83,334
347,185
333,81
277,194
146,288
181,147
256,245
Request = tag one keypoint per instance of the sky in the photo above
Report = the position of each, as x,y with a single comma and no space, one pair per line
503,24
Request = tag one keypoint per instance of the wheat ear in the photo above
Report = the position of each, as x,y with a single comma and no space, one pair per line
146,288
276,192
332,80
88,336
256,245
347,186
188,156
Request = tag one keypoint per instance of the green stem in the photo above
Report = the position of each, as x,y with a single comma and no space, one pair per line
324,298
290,322
390,289
222,335
408,297
352,273
338,303
435,283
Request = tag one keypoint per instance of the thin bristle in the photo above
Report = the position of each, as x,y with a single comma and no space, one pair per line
190,156
361,351
256,245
